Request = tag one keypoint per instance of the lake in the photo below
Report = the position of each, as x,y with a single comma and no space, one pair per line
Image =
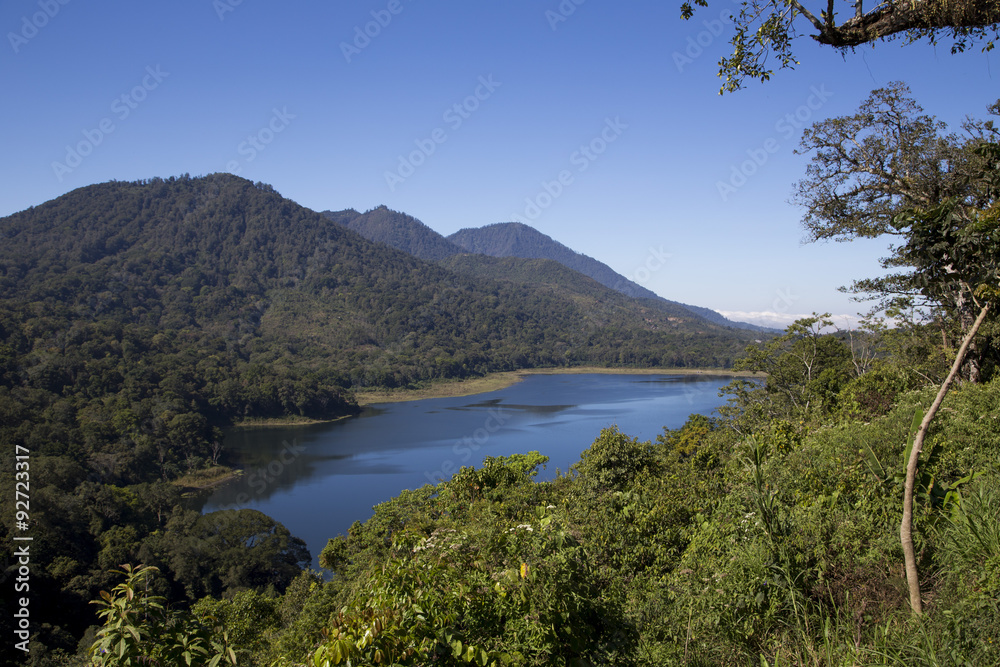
317,480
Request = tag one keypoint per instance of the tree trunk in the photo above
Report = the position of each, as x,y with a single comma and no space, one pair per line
906,526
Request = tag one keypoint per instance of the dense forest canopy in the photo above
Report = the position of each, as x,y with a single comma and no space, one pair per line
139,319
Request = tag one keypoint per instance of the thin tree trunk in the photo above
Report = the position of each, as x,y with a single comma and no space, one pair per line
906,526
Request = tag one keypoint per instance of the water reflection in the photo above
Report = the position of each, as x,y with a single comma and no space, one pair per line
318,479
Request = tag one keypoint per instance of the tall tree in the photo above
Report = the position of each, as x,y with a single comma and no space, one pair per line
767,28
891,170
953,249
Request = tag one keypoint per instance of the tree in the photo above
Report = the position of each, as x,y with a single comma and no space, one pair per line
225,552
139,630
804,369
766,28
890,170
954,249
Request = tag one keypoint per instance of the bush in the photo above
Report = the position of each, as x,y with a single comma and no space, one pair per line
615,460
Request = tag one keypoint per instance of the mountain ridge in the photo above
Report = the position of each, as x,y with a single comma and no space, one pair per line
506,239
221,255
396,229
503,239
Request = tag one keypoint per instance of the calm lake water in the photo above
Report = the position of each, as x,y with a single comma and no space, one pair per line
317,480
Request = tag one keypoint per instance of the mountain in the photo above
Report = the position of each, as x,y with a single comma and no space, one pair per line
218,263
514,239
139,319
398,230
552,275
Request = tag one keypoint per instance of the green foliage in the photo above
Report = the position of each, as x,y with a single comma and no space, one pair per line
705,547
764,30
139,630
615,460
248,617
873,394
225,552
805,372
889,169
498,592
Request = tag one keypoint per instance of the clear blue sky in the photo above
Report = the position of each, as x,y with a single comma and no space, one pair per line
268,90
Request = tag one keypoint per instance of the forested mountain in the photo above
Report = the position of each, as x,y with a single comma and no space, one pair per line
509,239
514,239
139,318
398,230
552,275
271,278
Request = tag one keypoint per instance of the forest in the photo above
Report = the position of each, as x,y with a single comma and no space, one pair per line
139,320
841,509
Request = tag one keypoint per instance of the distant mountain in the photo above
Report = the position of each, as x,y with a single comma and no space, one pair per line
552,275
139,319
398,230
513,239
219,263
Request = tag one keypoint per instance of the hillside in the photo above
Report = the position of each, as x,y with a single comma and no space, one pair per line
398,230
138,319
552,275
513,239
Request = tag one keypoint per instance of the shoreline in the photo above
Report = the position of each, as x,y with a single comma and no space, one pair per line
504,379
203,480
282,422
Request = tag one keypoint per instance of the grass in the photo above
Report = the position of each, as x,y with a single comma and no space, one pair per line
207,477
282,422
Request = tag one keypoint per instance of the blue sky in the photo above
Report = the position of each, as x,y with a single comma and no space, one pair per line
604,130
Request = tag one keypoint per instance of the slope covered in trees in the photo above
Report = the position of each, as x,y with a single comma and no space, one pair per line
139,319
513,239
398,230
766,536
